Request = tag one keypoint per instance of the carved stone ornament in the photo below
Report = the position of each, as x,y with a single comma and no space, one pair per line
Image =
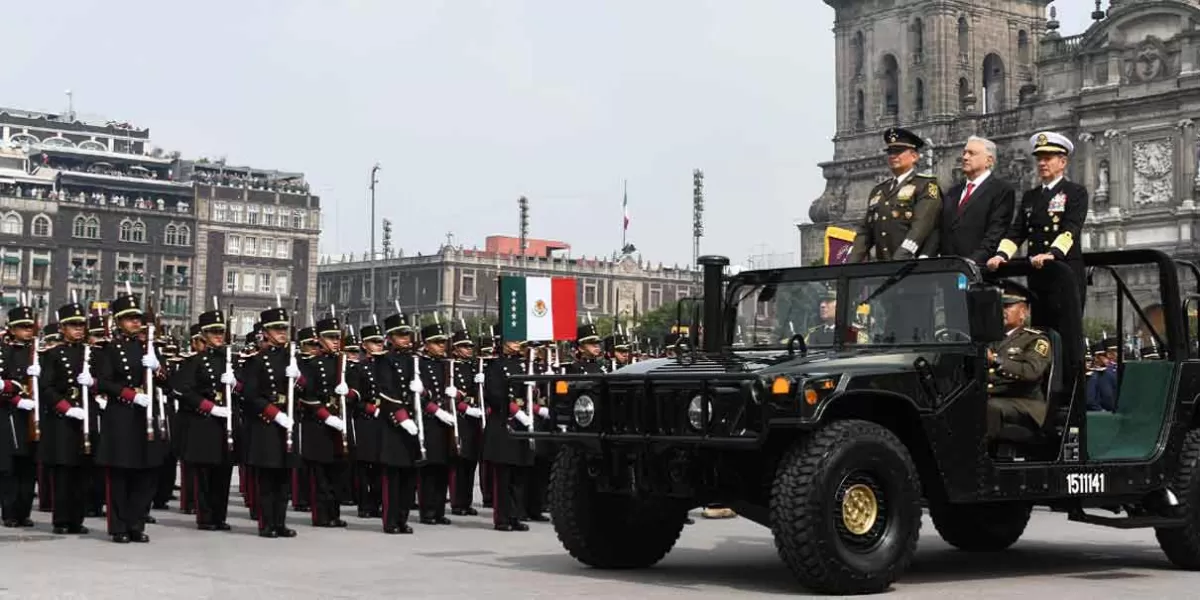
1149,62
1152,164
1086,137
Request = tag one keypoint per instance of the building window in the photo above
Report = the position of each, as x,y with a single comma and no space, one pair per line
1023,46
281,284
366,287
41,226
322,291
236,211
964,39
891,85
655,300
344,291
11,224
252,214
918,37
264,281
248,282
919,100
40,274
269,216
233,245
125,233
298,219
11,273
139,231
467,283
267,248
171,235
220,212
250,246
185,235
394,284
590,295
281,249
858,48
231,281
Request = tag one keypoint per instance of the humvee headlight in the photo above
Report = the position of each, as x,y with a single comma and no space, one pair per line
585,410
817,389
696,413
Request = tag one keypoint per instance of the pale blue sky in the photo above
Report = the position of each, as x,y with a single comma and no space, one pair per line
469,104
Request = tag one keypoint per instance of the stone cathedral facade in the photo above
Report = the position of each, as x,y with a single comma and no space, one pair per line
1126,91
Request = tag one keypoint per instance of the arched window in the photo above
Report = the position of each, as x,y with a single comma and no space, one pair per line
964,38
1023,46
185,235
993,83
125,234
58,142
919,96
918,37
858,49
41,226
78,225
92,145
12,224
139,231
860,116
93,228
23,138
171,235
891,85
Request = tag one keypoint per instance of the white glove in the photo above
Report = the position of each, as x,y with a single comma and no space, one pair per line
336,423
474,412
543,412
451,392
75,413
141,400
416,386
34,370
292,371
85,379
220,412
409,426
444,417
523,418
150,361
26,404
102,402
342,389
283,420
227,378
479,378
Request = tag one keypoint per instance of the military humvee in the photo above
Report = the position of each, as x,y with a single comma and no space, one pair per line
837,447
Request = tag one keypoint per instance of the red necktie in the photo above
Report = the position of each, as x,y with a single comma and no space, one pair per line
966,196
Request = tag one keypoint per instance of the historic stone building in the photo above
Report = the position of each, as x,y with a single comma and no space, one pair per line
464,281
1127,91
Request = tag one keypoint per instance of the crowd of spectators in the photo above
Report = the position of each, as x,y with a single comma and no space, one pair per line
96,198
103,168
254,182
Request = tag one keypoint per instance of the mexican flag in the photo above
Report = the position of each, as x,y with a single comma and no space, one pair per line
538,309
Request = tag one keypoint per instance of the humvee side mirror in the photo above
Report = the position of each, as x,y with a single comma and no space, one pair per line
986,314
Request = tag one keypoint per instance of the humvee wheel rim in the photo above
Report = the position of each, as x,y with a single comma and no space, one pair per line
860,509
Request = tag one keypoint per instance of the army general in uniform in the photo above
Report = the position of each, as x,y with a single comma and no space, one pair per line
901,221
1016,368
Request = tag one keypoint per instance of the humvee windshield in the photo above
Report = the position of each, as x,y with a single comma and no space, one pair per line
897,309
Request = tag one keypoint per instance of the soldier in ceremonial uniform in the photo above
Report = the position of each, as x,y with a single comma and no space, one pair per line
45,473
179,430
1050,218
368,428
537,482
63,444
902,215
207,384
1016,367
346,487
618,351
468,380
98,336
18,439
437,392
486,349
399,447
509,457
306,342
266,380
589,355
322,426
131,446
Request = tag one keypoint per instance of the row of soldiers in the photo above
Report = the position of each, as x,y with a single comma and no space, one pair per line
394,413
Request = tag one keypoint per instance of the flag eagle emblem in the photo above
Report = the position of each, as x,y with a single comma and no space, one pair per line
539,308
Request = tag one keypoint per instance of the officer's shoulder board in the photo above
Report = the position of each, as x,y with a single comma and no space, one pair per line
1034,331
928,183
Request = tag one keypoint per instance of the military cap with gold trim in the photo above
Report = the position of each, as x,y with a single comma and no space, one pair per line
212,319
306,335
586,333
274,318
350,341
72,313
194,331
396,324
461,338
618,341
1014,293
330,326
435,332
96,325
50,333
1048,142
898,138
21,315
371,333
126,306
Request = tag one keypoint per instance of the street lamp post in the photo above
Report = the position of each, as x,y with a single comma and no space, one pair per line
374,180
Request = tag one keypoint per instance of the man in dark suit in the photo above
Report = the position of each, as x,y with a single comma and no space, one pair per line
976,213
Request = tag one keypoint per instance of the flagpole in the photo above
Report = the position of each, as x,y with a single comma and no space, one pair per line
624,212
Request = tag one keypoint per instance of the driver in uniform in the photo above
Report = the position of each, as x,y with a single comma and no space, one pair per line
823,334
1016,367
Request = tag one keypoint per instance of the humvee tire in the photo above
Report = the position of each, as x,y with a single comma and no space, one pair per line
989,527
1182,544
609,531
846,508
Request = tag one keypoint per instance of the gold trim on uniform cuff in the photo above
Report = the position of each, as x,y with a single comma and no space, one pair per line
1063,242
1007,248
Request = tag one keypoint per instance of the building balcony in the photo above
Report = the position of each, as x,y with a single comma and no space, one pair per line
176,280
131,277
82,275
